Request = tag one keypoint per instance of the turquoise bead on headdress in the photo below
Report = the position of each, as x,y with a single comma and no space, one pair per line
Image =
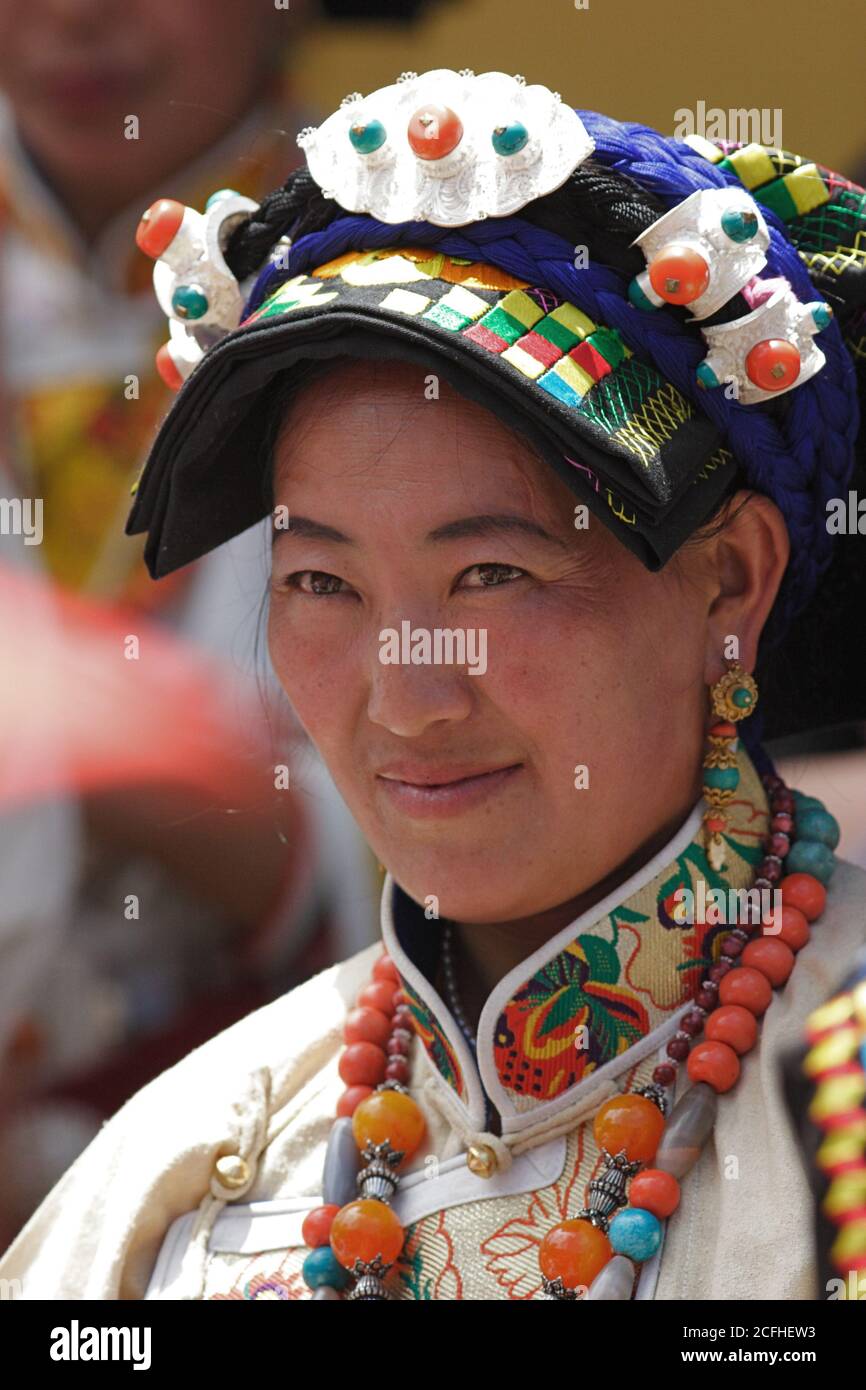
509,139
189,302
739,225
368,137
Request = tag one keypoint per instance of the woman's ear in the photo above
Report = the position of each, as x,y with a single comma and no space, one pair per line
749,561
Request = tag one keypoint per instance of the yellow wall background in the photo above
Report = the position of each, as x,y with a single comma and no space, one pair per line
631,60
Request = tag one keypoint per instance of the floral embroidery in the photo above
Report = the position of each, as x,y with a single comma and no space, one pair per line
504,1248
621,976
488,1248
510,1251
535,1036
435,1248
435,1040
268,1287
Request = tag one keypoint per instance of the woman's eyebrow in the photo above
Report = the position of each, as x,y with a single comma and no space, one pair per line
467,527
304,527
493,525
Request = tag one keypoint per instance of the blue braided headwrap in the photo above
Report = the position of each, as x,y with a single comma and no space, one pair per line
800,459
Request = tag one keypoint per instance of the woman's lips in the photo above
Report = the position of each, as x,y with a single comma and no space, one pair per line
433,800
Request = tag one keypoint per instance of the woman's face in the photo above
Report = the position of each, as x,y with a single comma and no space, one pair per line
431,513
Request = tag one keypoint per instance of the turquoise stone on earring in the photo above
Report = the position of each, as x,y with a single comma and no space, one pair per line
369,137
636,1233
739,225
509,139
742,697
818,825
810,857
722,779
189,302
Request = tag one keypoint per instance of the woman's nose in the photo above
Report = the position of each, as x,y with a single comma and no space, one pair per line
407,696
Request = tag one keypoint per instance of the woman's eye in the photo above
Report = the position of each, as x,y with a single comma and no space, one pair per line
316,582
492,575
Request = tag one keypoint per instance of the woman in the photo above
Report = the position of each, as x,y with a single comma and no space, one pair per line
551,470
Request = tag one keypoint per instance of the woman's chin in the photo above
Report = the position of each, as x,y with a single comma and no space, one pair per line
477,895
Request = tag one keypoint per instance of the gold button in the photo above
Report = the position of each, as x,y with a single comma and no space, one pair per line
232,1171
481,1160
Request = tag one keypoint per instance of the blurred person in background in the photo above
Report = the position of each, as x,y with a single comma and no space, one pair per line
241,890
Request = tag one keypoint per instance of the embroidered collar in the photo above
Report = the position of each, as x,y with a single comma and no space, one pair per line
620,972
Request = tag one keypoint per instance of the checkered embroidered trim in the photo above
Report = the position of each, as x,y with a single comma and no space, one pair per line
551,345
548,340
788,184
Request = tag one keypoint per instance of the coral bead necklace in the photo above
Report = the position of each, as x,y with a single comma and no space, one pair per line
595,1254
358,1237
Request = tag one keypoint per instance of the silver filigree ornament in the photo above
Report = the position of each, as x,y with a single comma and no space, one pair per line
607,1190
702,253
656,1093
556,1291
370,1281
776,329
511,143
379,1178
197,291
722,226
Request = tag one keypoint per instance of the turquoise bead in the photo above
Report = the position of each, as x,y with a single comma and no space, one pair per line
189,302
742,697
322,1267
811,857
706,376
821,315
817,824
219,195
636,1233
369,137
739,226
803,803
508,139
638,298
722,778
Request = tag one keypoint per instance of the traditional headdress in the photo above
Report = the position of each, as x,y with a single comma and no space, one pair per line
664,320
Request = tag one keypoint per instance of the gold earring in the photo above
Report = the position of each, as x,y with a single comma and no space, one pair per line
733,697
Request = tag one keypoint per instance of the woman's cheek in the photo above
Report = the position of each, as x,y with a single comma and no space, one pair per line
547,655
312,662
